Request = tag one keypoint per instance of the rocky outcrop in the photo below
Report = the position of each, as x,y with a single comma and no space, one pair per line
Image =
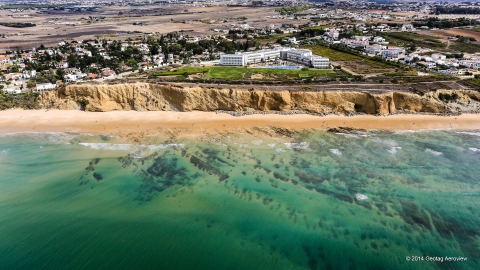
155,97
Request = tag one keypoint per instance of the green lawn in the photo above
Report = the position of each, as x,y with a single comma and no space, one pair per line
237,73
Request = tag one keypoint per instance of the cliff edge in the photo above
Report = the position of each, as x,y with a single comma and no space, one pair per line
157,97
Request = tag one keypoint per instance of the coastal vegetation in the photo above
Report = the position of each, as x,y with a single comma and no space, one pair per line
26,100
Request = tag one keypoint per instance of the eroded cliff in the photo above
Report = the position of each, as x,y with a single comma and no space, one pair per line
154,97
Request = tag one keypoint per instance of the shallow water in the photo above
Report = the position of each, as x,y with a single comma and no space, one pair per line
237,201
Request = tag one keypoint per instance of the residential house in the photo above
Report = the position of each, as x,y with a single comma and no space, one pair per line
373,49
392,53
108,73
378,40
407,28
353,43
40,87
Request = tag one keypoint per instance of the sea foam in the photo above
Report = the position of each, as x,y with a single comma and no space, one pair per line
361,197
336,152
474,149
433,152
393,150
302,145
469,133
387,142
129,147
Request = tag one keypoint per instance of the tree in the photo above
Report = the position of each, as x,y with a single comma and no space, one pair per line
60,73
132,63
31,84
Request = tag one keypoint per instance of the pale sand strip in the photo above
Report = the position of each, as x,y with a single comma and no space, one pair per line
72,121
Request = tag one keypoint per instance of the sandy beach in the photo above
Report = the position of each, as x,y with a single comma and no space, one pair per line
72,121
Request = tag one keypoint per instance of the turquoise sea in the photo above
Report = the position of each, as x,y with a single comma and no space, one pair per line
253,200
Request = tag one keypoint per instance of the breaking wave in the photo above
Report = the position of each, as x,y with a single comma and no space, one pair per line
356,136
469,133
433,152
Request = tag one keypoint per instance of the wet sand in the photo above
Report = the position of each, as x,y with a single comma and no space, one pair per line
72,121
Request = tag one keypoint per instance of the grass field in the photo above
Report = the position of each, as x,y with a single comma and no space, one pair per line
237,73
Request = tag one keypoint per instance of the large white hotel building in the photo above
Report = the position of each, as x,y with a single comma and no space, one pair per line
302,56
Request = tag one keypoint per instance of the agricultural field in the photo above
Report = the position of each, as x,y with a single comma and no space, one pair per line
465,47
238,73
52,26
445,33
352,63
271,38
406,39
474,83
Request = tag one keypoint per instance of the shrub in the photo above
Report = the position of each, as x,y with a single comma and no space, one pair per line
83,103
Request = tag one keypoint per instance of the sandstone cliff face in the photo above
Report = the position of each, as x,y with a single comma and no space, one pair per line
153,97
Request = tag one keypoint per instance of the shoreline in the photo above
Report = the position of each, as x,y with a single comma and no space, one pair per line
197,122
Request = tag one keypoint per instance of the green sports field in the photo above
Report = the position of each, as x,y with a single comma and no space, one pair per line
237,73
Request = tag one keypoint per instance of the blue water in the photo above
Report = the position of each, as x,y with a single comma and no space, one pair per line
262,199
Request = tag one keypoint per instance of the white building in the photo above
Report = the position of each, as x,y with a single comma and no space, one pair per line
373,49
438,56
302,56
392,52
236,59
407,28
362,38
378,40
320,62
70,78
474,64
332,34
292,40
44,87
353,43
